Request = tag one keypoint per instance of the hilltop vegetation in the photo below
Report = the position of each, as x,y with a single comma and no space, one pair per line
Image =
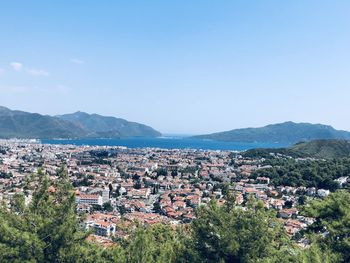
110,127
323,149
287,133
309,173
326,161
20,124
320,149
46,230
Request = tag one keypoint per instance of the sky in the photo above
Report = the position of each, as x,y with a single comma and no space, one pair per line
181,66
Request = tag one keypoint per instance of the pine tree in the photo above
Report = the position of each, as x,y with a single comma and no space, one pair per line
47,229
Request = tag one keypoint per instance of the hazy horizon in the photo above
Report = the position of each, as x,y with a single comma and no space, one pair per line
184,67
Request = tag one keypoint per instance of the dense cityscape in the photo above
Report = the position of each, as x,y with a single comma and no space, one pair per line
117,187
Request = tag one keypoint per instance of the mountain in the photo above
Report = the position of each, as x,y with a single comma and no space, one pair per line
102,126
287,133
20,124
325,149
321,149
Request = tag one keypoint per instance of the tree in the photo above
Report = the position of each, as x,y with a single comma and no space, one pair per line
225,189
174,173
110,186
288,204
156,207
222,234
333,220
117,191
162,171
310,173
47,229
137,184
316,254
302,200
157,243
107,207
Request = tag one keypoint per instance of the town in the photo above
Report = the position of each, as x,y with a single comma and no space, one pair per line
117,186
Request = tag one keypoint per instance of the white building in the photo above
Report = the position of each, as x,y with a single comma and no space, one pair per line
89,199
103,228
105,195
322,192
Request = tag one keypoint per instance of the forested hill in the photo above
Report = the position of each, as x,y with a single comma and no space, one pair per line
322,149
107,126
326,149
287,132
20,124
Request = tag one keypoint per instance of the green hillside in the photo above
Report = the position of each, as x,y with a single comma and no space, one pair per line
322,149
105,126
20,124
326,149
287,133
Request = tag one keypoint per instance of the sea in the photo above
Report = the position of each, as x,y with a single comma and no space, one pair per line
166,142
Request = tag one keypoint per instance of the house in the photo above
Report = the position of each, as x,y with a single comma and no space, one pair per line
277,203
179,205
322,193
88,199
103,228
263,180
139,193
288,213
83,207
342,180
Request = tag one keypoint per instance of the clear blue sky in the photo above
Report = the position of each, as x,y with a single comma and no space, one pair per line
180,66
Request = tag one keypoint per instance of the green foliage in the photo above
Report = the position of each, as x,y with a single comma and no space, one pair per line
316,254
102,126
162,171
158,243
268,153
287,133
4,175
44,231
190,169
333,219
20,124
324,149
310,173
107,207
222,234
156,207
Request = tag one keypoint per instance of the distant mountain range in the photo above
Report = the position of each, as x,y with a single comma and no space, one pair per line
287,133
20,124
321,149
